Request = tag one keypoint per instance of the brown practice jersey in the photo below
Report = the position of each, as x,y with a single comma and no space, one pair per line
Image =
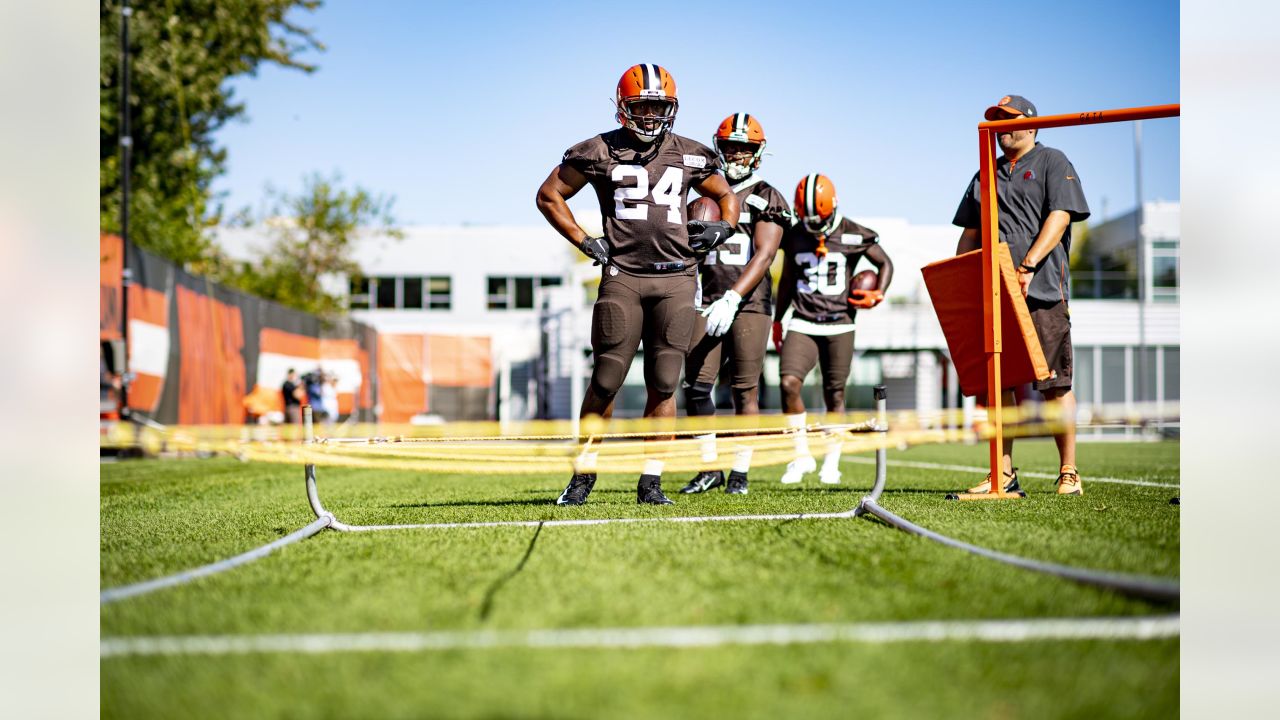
823,283
760,202
642,190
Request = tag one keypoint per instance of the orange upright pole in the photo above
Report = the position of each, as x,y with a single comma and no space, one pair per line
991,303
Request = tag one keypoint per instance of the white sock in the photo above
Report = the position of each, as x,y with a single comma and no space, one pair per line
798,421
832,462
709,453
742,460
653,467
585,463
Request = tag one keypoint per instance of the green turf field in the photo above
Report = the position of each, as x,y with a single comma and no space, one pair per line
160,517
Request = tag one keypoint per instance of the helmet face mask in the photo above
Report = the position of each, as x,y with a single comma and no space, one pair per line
646,117
818,225
739,159
739,142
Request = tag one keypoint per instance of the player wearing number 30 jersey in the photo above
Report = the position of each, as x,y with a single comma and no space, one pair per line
821,254
641,173
733,328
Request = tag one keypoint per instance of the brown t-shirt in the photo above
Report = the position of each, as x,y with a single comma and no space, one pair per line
760,202
642,189
822,285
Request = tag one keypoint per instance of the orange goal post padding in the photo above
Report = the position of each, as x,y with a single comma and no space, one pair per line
955,287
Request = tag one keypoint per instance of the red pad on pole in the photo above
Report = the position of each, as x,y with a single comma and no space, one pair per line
955,287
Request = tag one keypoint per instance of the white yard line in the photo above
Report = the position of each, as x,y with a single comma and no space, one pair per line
1021,630
975,469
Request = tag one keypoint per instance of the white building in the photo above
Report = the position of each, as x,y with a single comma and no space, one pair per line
528,290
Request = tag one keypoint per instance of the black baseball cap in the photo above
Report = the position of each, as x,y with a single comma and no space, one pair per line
1015,104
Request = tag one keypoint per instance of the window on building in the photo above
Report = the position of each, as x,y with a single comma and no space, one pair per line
439,292
412,293
524,293
516,293
1164,271
1082,374
1111,368
1172,373
359,298
1144,374
499,293
385,292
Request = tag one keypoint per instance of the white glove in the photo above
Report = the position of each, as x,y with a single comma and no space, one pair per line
719,314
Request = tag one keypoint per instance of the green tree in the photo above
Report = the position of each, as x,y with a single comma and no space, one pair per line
312,238
183,52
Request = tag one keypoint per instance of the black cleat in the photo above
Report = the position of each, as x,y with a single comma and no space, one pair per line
704,481
649,491
579,488
737,483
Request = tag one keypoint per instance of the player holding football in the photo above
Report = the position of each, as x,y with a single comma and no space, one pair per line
642,173
821,253
737,297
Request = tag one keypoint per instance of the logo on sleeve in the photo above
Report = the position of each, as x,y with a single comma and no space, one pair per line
695,161
1028,175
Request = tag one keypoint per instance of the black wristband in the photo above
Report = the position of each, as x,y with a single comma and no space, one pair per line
1024,266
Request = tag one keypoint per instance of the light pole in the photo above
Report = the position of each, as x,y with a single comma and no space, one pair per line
126,146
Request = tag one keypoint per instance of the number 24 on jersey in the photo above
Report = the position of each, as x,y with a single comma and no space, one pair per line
665,192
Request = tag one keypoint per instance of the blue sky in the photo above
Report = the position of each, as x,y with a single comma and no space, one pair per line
461,109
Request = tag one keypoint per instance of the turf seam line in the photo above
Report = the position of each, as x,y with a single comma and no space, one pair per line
487,606
1158,589
1140,628
1048,476
142,588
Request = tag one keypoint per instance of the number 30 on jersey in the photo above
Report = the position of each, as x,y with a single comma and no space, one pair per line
825,276
665,192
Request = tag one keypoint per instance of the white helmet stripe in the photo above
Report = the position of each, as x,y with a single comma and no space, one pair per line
655,80
811,195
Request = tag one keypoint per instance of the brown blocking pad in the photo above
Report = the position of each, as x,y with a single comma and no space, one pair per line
955,287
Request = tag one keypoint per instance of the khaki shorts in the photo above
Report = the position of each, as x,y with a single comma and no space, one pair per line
740,351
1053,325
834,353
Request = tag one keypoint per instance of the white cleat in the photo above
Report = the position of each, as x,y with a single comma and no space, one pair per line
797,468
830,477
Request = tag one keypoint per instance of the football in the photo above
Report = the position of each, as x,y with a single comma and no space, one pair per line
866,280
704,209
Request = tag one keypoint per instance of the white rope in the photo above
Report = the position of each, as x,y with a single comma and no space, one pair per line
125,591
1002,631
970,468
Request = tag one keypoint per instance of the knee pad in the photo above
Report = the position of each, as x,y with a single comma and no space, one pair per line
678,329
697,399
666,371
607,375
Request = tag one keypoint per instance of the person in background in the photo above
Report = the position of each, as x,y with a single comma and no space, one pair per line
292,403
329,396
1039,195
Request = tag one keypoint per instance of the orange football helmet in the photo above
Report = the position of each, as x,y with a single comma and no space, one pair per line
646,101
816,206
743,129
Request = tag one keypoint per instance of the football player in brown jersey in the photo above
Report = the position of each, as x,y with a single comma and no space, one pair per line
821,253
732,332
641,173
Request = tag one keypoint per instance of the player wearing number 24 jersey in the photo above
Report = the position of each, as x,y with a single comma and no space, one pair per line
821,254
641,174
